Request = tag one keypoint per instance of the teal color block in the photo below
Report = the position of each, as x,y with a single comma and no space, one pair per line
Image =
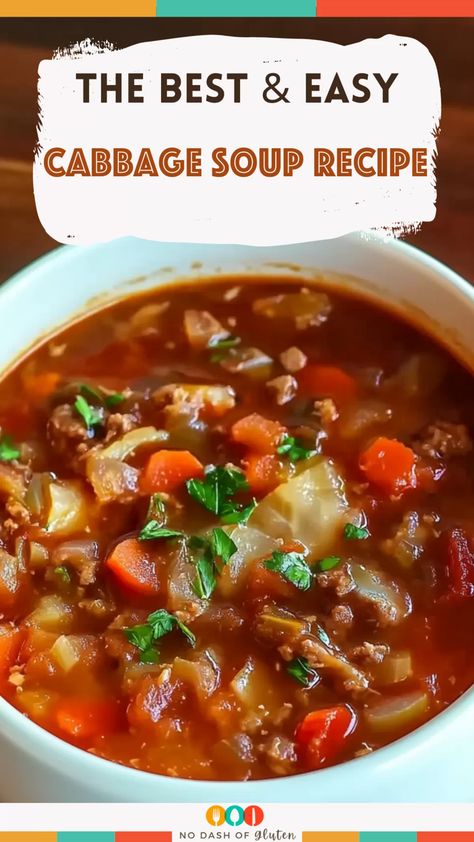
388,836
236,8
86,836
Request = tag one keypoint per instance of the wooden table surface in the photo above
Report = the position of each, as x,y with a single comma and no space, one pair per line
23,44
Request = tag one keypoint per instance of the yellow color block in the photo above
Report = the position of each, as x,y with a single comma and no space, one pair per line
27,836
329,836
78,8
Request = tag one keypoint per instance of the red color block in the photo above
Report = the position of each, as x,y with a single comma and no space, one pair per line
445,836
399,9
144,836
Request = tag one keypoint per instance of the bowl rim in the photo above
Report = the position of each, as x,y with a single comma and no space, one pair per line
37,742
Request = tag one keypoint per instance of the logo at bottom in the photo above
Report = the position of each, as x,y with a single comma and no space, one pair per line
235,815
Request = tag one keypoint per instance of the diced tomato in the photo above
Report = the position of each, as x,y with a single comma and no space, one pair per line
266,584
10,641
134,568
257,433
321,735
167,470
83,719
460,563
263,472
327,381
390,465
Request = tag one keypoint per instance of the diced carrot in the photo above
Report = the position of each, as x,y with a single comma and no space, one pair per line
321,735
263,473
167,470
390,465
327,381
83,719
259,434
10,641
42,385
131,564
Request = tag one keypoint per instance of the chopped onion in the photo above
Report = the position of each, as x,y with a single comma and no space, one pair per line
305,308
68,512
398,713
275,624
51,614
391,603
256,689
36,704
309,508
39,556
189,397
66,652
37,499
363,416
252,362
394,669
202,329
419,376
12,482
111,479
182,574
123,447
202,673
407,545
251,544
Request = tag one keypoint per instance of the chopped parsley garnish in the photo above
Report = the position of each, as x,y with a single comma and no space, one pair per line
91,416
216,490
158,624
153,530
156,509
300,669
294,449
8,450
114,399
62,573
223,545
219,546
221,347
357,533
100,396
328,563
205,580
292,566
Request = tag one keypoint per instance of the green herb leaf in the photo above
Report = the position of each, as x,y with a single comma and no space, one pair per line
232,512
100,396
293,567
222,545
114,399
62,573
187,632
329,562
8,450
161,622
294,449
153,530
300,669
150,656
205,580
218,485
221,344
140,636
91,416
357,533
158,624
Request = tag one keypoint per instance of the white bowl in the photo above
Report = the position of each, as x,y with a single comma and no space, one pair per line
432,763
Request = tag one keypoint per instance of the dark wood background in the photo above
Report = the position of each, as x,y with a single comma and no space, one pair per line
24,42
